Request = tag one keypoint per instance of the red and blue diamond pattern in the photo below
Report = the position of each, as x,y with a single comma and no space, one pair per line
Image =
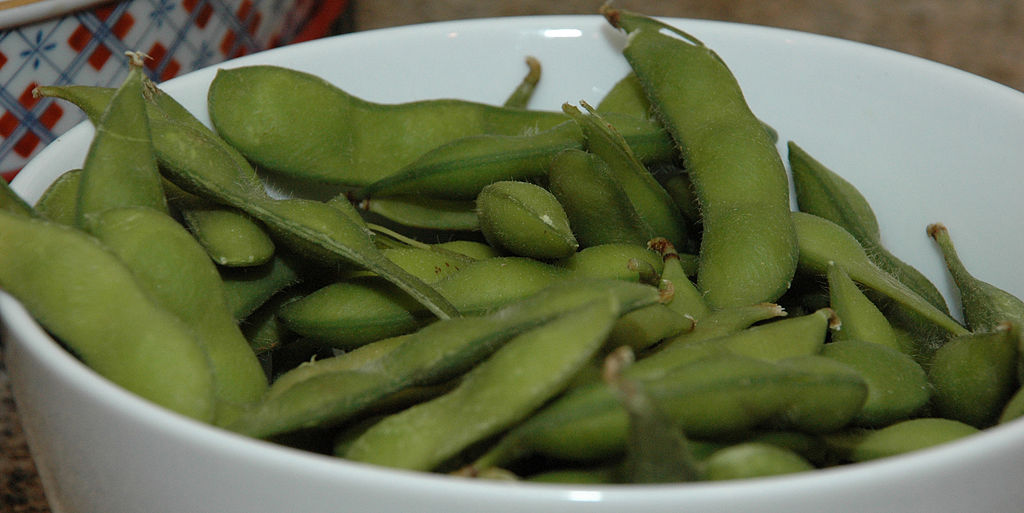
86,47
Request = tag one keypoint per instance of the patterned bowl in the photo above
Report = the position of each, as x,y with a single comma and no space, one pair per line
81,42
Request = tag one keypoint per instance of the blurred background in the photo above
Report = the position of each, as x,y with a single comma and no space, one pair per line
984,37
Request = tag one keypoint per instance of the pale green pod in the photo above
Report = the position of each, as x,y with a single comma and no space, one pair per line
618,261
434,354
822,243
975,375
470,248
520,96
907,436
525,219
829,401
175,270
822,192
860,318
500,391
752,460
110,322
598,209
898,387
57,202
120,169
984,306
424,212
649,198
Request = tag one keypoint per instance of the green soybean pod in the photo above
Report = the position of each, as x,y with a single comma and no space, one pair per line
822,192
652,202
752,460
354,312
525,219
94,101
470,248
657,451
599,211
120,169
975,375
433,354
626,97
907,436
822,242
983,305
501,390
58,202
748,250
242,99
230,237
831,398
197,162
425,212
861,319
175,270
772,341
620,261
520,96
717,396
898,387
109,321
247,288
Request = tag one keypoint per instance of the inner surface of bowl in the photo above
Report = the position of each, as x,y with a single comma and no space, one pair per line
924,143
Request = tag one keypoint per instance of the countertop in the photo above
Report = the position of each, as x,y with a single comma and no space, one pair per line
985,37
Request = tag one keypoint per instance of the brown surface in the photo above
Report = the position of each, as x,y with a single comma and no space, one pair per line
984,37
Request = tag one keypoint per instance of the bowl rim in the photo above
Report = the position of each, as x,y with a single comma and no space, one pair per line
17,13
17,320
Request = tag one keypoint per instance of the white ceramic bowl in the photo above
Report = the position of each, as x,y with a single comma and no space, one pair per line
923,142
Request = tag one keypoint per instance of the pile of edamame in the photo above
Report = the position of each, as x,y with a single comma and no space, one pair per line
618,293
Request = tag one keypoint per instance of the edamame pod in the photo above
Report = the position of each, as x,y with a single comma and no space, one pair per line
712,397
751,460
612,260
109,321
984,306
354,312
748,251
120,169
521,95
246,288
599,211
822,192
822,242
460,168
172,267
626,97
433,354
503,389
58,202
861,319
975,375
907,436
656,448
229,236
648,197
255,108
425,212
524,219
897,386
